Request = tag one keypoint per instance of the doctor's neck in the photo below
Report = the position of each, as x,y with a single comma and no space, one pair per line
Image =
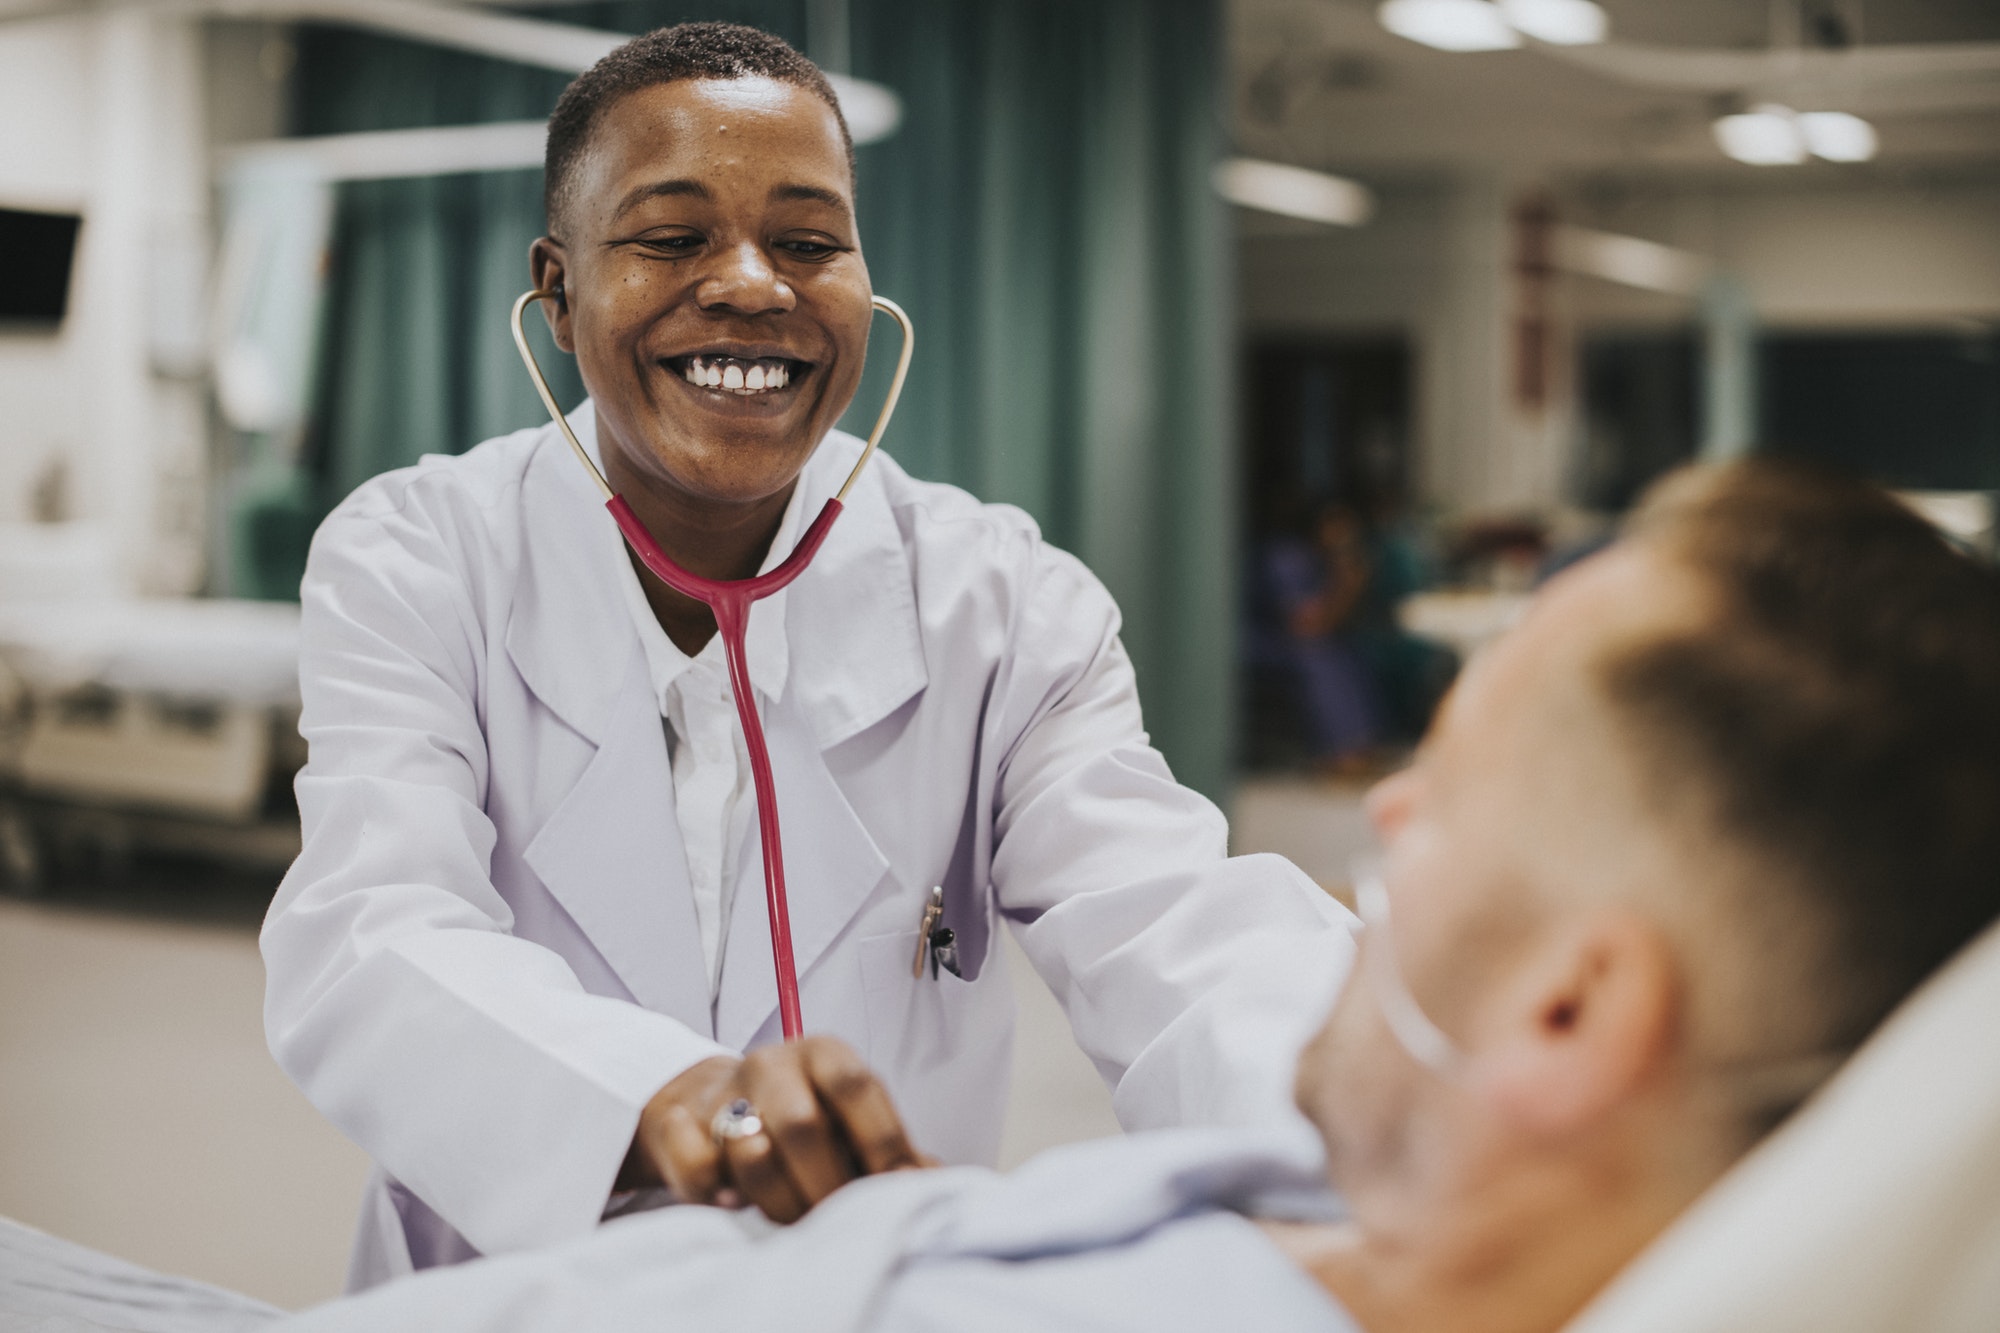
715,538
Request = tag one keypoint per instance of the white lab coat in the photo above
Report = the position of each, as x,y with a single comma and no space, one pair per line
486,960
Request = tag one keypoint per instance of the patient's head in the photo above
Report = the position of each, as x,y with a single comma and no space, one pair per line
1726,795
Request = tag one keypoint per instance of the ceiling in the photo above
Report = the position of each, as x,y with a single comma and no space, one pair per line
1320,83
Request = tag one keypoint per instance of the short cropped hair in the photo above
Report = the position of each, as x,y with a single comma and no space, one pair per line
668,55
1839,716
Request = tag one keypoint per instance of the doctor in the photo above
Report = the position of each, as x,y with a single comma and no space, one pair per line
522,955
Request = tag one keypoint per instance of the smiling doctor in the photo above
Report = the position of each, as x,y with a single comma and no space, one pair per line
521,957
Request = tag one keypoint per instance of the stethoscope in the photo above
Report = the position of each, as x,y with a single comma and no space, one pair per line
730,600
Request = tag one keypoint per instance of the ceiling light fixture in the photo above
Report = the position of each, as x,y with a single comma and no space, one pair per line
1293,192
1767,135
1837,136
1558,22
1487,25
1770,135
1449,25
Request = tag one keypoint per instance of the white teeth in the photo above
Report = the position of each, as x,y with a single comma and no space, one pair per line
757,377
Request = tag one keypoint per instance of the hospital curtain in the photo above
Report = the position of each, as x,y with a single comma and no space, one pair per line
1044,213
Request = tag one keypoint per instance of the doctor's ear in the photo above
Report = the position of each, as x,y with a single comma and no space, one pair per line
548,267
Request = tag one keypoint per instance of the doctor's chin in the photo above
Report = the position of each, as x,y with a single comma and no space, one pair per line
979,667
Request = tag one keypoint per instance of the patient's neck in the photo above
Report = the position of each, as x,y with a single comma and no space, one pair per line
1521,1253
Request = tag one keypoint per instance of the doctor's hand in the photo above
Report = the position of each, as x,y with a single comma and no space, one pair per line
826,1120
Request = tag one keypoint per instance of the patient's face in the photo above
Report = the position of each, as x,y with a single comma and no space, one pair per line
1518,804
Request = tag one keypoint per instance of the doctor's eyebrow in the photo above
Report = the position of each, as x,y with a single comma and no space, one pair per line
683,188
810,194
688,189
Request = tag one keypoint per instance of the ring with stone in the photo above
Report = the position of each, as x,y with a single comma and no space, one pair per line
738,1120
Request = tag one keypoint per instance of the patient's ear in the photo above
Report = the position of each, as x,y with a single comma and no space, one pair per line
1589,1022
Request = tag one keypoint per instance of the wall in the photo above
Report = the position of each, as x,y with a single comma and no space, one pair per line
1435,263
1868,248
103,114
45,156
1883,249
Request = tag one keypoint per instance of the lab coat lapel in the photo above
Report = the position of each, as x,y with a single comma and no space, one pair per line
612,855
611,849
570,633
857,648
832,867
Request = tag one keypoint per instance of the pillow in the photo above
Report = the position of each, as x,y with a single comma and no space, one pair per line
1876,1207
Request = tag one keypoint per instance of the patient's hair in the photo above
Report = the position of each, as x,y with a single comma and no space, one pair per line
667,55
1838,719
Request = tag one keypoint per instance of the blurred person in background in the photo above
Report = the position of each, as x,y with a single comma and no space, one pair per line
1675,846
1322,617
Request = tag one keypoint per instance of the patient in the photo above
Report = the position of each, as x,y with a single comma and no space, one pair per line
1674,846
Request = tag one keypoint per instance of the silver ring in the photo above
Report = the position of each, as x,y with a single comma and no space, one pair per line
738,1120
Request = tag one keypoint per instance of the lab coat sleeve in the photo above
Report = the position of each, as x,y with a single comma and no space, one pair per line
1190,978
470,1064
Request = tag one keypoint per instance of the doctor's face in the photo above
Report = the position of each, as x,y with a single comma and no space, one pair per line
716,298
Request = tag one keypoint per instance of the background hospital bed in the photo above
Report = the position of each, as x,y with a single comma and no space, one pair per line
1877,1208
132,725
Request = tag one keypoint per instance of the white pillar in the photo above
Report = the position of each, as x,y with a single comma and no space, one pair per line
1729,370
141,468
1481,449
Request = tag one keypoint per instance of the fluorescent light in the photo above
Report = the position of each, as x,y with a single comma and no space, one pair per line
1838,136
1558,22
1764,136
1449,25
1629,260
1770,135
1293,192
388,154
873,110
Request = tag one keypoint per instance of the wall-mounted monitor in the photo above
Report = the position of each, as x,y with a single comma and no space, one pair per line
40,250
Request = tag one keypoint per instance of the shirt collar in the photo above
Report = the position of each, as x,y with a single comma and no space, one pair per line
766,644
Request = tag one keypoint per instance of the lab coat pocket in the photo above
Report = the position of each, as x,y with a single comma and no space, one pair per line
942,1044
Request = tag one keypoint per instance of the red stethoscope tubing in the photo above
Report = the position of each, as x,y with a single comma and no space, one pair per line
731,600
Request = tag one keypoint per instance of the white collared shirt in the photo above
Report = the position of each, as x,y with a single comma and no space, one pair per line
713,793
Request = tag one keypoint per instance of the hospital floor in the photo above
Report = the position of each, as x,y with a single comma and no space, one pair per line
140,1113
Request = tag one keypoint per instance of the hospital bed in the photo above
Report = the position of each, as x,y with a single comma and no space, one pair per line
132,725
1876,1208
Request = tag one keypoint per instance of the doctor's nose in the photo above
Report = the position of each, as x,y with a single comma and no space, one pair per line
740,280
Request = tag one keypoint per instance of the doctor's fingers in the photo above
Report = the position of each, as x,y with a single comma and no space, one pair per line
856,1097
810,1146
685,1152
761,1177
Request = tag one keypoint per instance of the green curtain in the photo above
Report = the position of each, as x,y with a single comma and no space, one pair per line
1044,214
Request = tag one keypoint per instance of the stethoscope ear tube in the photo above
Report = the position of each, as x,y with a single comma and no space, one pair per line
730,600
